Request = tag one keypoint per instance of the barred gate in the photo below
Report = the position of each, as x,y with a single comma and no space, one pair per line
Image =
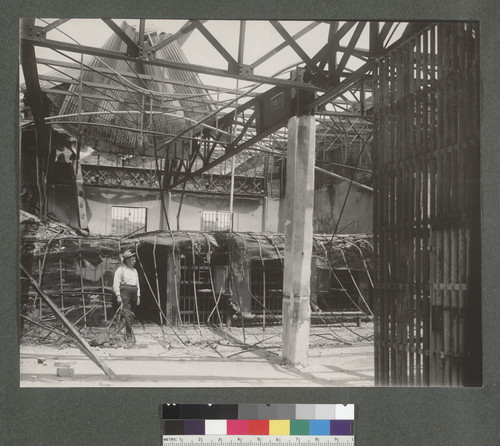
266,286
197,297
426,210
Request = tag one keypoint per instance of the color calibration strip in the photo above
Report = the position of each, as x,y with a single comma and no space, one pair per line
257,411
258,419
257,427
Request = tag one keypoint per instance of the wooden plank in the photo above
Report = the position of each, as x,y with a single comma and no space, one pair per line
385,259
422,307
455,199
430,102
376,226
454,306
401,251
434,248
473,350
81,343
461,195
446,308
394,279
382,220
392,291
429,269
410,216
462,297
406,217
417,270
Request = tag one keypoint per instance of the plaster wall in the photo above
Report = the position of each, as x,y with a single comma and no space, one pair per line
101,200
357,216
249,212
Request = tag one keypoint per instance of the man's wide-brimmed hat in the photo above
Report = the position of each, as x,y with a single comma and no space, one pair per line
127,254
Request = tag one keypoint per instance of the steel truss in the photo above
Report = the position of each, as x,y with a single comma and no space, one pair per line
145,90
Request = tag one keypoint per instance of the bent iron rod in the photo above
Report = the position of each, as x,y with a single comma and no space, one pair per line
81,343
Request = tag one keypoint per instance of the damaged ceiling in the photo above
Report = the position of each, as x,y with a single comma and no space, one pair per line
199,92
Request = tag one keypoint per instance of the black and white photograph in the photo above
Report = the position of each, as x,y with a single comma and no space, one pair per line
249,203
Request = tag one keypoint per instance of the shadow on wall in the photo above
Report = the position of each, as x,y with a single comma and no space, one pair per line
357,216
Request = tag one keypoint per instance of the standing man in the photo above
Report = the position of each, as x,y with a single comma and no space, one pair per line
127,291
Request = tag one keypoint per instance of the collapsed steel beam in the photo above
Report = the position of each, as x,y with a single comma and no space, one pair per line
128,74
82,49
81,343
329,95
336,91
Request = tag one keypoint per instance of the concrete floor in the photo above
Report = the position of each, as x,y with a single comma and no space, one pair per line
154,363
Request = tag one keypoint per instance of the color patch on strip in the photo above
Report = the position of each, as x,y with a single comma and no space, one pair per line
215,427
285,412
237,427
191,411
299,427
319,427
258,427
194,427
344,412
200,411
173,427
305,411
266,412
248,412
324,412
279,427
340,427
171,412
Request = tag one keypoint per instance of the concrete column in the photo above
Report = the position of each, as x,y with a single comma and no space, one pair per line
299,204
264,214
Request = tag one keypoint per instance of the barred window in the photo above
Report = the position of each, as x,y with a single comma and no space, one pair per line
216,221
126,220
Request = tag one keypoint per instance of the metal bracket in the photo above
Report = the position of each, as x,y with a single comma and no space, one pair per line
246,70
240,69
146,51
36,33
298,74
